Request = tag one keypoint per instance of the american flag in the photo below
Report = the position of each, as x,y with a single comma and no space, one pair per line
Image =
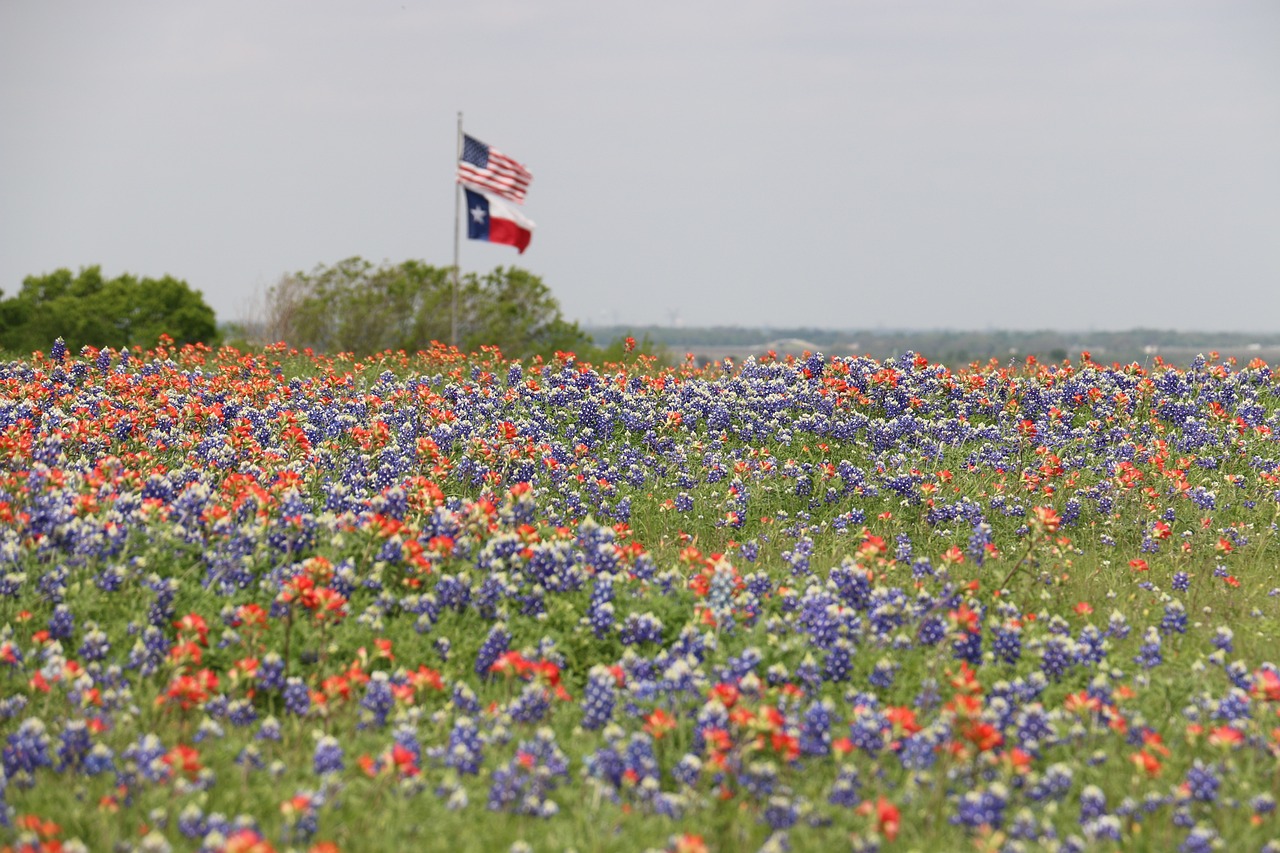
486,167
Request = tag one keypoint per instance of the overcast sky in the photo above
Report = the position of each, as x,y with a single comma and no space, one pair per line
851,164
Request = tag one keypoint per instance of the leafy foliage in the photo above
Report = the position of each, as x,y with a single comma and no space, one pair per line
354,306
86,308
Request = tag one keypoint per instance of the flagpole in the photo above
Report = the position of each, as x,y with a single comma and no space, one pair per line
457,240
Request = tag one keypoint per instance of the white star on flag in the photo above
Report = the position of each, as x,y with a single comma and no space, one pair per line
495,221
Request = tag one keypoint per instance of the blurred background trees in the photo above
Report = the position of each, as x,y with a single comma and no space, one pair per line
352,306
357,307
86,308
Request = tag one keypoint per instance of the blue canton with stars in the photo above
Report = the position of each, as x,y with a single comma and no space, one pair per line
475,153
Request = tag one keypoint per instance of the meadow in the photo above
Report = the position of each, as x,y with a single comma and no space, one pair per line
271,600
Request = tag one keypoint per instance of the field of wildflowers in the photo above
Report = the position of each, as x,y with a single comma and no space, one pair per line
274,601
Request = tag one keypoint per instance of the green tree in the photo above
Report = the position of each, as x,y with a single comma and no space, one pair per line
85,308
355,306
512,308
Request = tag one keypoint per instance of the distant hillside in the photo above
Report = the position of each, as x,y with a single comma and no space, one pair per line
951,347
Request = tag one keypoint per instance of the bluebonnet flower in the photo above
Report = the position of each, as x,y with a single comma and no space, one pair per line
26,751
846,789
903,551
640,628
464,698
688,770
983,808
378,700
968,647
271,672
1149,655
1034,727
524,784
75,745
920,751
600,609
882,674
720,593
1201,839
297,699
868,730
781,813
978,542
61,623
327,757
1093,803
1234,706
606,765
1102,829
100,759
759,778
493,647
531,705
1091,647
932,631
465,751
269,729
1006,643
815,728
146,757
95,645
1024,826
1175,618
11,584
837,664
191,822
598,698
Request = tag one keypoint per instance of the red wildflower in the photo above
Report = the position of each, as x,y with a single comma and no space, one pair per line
963,619
1266,685
888,817
983,735
1226,736
658,723
183,759
687,842
1146,762
194,623
726,693
247,841
1046,518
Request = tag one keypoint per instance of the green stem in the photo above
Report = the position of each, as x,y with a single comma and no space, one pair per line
1030,547
288,634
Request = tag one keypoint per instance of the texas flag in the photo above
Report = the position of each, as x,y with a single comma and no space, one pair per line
490,218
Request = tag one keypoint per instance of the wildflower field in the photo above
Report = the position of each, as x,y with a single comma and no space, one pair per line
274,601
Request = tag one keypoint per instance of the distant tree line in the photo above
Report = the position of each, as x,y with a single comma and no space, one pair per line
87,308
958,347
